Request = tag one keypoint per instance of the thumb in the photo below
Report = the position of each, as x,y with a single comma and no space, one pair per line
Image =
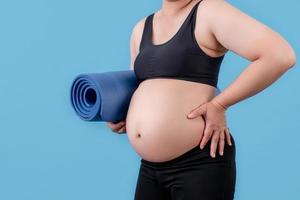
200,110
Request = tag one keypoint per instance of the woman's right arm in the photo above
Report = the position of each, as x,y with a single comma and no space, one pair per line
135,38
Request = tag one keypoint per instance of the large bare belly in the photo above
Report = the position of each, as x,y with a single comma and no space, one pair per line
156,123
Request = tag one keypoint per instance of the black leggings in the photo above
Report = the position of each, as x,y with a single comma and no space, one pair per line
194,175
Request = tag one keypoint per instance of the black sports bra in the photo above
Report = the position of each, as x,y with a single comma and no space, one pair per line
178,58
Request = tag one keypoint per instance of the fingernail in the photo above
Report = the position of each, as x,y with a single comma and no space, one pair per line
221,153
191,115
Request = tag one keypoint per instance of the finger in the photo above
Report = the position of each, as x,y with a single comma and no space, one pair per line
117,126
121,130
109,124
121,122
112,124
196,112
228,139
221,143
207,134
214,143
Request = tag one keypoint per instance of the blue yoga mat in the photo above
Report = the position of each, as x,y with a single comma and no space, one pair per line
104,96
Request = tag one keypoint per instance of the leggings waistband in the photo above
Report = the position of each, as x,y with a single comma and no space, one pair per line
174,160
184,155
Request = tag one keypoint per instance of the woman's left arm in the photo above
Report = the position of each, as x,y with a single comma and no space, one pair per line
270,57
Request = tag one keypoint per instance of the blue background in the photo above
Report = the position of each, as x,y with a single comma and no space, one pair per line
47,152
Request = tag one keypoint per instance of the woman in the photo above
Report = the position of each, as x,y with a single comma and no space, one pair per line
175,122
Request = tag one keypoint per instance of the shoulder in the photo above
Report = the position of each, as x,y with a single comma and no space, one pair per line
137,31
139,26
136,37
207,16
212,9
215,10
217,16
213,4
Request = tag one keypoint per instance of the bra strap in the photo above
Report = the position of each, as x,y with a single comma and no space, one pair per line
194,14
146,32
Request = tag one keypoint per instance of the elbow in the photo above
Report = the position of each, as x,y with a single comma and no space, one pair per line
289,59
284,58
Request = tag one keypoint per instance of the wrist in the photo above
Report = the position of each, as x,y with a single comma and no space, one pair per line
219,104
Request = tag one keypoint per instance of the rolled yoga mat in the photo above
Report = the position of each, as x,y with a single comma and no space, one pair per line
104,96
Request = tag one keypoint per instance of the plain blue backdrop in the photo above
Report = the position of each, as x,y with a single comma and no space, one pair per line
48,153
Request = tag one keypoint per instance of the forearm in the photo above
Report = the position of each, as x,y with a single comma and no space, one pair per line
257,76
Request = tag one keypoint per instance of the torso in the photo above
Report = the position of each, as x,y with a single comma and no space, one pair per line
156,123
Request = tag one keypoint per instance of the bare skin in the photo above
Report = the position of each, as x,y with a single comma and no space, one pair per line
161,124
